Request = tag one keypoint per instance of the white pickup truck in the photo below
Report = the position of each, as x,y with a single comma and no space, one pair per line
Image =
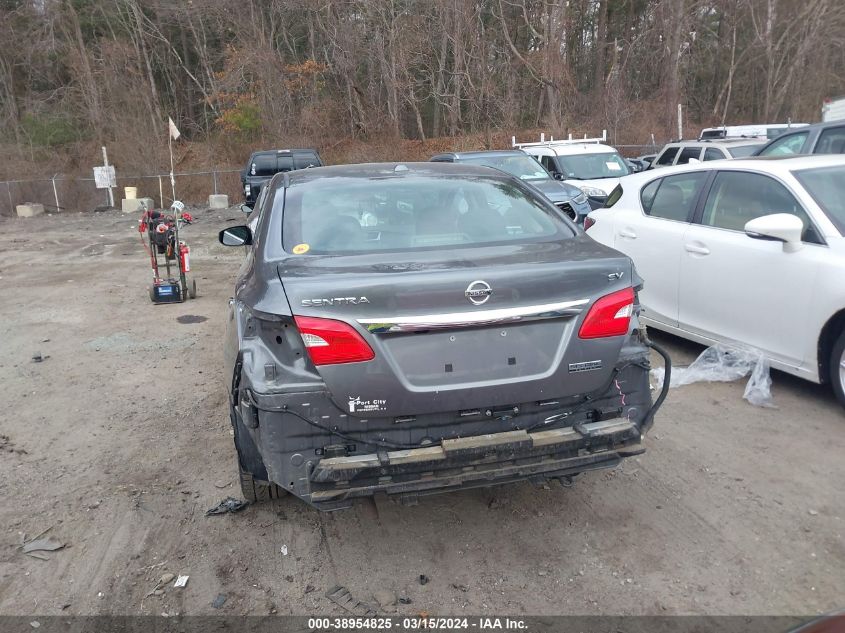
587,163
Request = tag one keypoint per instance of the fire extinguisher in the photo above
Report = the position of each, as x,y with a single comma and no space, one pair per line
184,257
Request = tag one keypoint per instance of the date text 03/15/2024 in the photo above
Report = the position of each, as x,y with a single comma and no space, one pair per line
418,624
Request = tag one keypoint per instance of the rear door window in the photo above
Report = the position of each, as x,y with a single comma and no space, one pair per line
667,156
263,165
673,197
827,187
414,212
831,141
711,153
786,145
687,154
737,197
647,195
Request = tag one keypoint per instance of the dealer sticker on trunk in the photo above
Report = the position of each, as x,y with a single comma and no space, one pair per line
356,405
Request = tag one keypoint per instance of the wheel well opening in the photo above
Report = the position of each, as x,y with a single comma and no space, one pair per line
830,332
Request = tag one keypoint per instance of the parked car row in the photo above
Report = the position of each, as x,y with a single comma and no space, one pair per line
589,166
575,176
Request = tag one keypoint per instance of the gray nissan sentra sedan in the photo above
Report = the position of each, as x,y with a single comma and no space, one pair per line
417,328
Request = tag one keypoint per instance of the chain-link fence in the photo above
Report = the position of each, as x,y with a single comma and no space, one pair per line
67,193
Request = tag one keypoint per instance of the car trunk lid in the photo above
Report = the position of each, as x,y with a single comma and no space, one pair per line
458,330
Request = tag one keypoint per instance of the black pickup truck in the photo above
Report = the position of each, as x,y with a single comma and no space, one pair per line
263,165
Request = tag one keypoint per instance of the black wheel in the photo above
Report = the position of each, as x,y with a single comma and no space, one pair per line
255,491
152,294
837,368
192,289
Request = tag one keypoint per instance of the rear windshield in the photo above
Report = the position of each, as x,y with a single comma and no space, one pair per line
343,215
827,186
263,165
741,151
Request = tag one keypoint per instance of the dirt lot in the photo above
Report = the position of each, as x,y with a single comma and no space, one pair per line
119,441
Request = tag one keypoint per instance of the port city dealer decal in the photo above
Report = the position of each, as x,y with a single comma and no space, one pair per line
356,405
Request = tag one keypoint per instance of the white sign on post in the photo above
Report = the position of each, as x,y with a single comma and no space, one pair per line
104,177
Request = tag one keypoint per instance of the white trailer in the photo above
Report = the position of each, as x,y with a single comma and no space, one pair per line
833,109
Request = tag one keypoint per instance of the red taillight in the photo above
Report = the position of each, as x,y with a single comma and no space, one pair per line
332,342
588,222
609,316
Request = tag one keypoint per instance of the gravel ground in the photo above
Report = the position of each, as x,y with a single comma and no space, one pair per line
118,441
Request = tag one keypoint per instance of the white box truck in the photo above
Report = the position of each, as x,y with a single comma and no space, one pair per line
833,109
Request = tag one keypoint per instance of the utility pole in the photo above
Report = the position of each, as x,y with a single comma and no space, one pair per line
680,123
106,164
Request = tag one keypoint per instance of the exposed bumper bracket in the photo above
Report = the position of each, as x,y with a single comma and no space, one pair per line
482,460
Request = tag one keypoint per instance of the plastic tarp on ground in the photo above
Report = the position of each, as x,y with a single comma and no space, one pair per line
726,364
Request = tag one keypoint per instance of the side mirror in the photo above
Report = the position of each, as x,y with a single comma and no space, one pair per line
236,236
779,227
246,209
557,175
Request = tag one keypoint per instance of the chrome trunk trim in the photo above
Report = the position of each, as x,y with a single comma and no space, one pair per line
471,319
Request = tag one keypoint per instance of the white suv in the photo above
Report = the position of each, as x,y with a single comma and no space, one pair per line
682,152
588,164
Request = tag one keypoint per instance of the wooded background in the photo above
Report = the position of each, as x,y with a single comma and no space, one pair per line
234,74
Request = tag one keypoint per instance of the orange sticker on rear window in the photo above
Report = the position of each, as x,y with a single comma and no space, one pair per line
301,249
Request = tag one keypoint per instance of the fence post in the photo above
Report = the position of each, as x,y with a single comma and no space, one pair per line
56,193
160,193
214,173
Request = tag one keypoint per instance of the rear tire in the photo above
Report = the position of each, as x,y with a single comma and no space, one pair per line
837,368
192,289
256,491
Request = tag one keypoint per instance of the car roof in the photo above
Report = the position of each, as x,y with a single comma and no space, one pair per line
791,163
483,153
385,170
815,126
778,165
284,151
570,148
717,142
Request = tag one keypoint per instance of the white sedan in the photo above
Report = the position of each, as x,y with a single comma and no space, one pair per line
742,252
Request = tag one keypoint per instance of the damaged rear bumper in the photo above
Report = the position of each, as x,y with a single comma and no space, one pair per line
333,476
473,461
310,447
